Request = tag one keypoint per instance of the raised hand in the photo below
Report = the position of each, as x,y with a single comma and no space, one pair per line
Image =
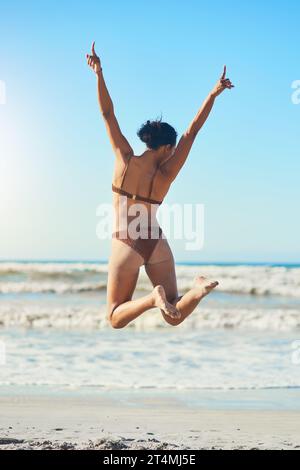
222,84
93,60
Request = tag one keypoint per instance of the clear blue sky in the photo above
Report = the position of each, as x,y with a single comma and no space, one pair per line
158,57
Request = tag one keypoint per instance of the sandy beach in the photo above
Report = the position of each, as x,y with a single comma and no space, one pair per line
42,422
228,378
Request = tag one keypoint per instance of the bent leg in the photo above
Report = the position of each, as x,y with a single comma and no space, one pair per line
124,265
123,272
187,303
163,272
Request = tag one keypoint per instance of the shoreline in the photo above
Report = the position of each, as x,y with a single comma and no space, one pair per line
241,399
149,421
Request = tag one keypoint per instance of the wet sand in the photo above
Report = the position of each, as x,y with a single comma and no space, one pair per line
153,422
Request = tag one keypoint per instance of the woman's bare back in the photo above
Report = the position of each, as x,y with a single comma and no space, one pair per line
148,177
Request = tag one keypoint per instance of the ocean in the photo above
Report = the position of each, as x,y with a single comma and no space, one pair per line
243,336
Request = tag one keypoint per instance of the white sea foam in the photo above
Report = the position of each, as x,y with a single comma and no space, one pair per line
230,341
51,268
90,317
83,277
50,287
169,359
255,280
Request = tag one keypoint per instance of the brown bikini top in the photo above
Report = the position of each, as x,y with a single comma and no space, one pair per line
136,197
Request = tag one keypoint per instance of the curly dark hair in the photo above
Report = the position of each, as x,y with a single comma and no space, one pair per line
156,133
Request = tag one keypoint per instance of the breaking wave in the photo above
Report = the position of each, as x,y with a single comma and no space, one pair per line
17,314
63,278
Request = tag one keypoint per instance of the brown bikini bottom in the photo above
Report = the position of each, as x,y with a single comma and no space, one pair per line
144,245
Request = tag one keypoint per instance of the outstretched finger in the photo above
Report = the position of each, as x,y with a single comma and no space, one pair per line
224,73
93,48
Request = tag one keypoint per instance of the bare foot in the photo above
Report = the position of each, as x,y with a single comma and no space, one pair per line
161,302
205,285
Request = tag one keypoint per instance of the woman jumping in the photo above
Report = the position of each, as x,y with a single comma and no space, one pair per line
144,180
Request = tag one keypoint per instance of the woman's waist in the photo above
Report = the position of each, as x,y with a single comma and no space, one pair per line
135,215
146,222
137,232
135,224
133,207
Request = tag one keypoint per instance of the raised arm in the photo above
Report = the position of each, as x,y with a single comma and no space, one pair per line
119,142
173,165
